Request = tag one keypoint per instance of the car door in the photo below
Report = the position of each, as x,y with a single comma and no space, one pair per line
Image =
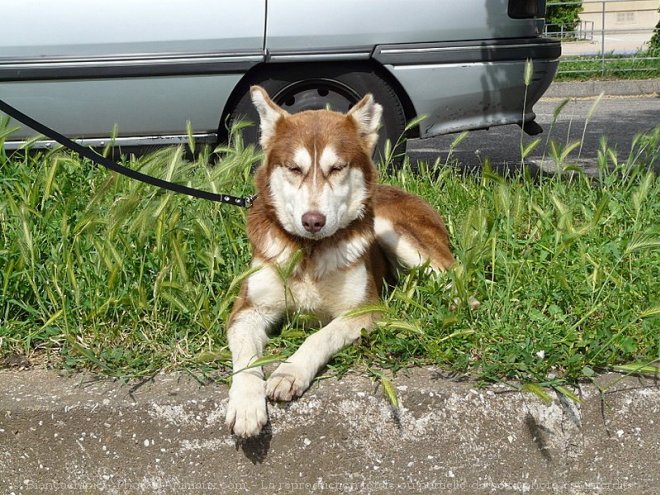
146,67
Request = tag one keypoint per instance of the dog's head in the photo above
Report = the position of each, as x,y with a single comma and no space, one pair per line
317,173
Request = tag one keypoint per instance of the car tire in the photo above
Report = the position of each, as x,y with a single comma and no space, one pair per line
313,87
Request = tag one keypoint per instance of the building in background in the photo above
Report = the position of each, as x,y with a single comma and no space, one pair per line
628,25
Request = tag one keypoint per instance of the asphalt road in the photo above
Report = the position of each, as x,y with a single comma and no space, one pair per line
619,119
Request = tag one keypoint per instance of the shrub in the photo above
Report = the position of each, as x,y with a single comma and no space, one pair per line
563,16
654,44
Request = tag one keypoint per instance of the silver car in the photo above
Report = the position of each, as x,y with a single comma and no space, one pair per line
149,67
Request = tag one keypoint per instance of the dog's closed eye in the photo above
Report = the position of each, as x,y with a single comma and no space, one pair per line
338,167
294,169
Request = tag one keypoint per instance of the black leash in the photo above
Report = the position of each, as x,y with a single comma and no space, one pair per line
244,202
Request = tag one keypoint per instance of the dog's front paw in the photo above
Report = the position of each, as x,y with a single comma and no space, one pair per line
246,411
287,382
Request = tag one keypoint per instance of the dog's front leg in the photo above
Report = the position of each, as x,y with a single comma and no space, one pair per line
247,336
294,376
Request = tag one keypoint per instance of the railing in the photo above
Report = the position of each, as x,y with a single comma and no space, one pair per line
604,44
583,32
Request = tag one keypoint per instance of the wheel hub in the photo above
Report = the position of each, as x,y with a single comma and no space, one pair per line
316,94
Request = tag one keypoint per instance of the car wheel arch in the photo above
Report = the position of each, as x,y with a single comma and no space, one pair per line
264,71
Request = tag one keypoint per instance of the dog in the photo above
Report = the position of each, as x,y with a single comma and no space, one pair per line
319,202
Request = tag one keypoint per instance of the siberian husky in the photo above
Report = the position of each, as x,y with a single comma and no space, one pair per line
318,199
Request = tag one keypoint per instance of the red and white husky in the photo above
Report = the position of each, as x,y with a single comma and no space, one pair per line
318,196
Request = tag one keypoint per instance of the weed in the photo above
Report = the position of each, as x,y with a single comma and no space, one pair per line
101,272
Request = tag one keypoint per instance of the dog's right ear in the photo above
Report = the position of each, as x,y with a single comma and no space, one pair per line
269,113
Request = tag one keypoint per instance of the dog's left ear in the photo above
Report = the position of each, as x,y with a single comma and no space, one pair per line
366,113
269,113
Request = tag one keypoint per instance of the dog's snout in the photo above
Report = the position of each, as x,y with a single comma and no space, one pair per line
313,221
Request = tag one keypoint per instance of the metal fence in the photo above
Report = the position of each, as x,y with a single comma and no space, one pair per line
611,37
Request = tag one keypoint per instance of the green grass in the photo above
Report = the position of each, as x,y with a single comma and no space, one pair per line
100,272
584,68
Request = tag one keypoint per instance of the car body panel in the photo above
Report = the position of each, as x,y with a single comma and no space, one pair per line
123,27
366,23
91,108
471,84
148,68
468,96
94,68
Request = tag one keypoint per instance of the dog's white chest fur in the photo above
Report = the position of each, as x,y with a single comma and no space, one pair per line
334,294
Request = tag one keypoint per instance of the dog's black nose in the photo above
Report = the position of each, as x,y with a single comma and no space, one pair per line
313,221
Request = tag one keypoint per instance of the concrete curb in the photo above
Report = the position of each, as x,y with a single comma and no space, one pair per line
81,435
585,89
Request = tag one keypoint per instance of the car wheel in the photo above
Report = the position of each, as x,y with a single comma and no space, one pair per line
301,88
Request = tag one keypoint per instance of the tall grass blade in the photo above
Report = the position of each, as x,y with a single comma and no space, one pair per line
539,391
390,392
49,182
263,361
650,312
567,393
529,147
638,369
191,138
640,242
590,114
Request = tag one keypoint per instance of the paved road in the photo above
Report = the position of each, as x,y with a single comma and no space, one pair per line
619,43
617,118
